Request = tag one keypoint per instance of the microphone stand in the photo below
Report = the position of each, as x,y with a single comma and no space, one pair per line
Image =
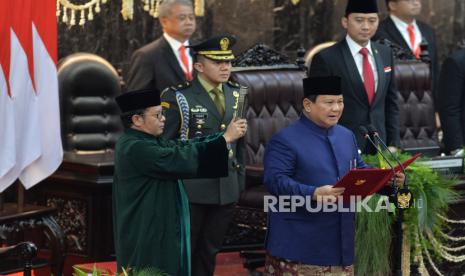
400,211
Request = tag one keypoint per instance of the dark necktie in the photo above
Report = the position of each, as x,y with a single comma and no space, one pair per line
368,77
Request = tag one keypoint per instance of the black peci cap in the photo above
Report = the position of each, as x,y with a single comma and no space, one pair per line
138,99
361,6
328,85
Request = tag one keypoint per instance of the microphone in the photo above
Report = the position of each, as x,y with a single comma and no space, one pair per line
366,135
375,134
403,196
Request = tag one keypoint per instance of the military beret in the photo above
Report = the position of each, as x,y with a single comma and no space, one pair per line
327,85
138,99
216,48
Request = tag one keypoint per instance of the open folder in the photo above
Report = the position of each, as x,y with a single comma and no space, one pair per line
364,182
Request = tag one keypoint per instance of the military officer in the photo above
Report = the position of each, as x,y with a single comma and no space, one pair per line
199,108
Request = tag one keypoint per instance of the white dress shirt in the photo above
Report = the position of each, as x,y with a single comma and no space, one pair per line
402,27
175,45
355,48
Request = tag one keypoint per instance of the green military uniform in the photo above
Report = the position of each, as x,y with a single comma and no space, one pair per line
205,119
194,110
150,209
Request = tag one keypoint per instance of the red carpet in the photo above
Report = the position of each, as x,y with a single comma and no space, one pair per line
229,264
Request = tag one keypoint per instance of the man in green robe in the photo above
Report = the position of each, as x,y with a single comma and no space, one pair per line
150,207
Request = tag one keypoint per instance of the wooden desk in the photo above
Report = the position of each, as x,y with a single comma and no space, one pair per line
81,191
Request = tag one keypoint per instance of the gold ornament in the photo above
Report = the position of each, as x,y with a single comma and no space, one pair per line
155,8
90,15
146,5
63,6
82,19
224,44
58,12
199,9
127,9
403,199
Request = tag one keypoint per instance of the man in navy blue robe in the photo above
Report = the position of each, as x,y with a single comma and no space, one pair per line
306,159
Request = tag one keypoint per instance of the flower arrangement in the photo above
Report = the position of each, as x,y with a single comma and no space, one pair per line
424,225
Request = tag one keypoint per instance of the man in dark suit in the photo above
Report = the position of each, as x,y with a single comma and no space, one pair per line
402,28
451,104
165,61
196,109
366,71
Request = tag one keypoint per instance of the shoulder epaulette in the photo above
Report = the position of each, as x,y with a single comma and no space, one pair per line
183,85
168,89
176,88
234,84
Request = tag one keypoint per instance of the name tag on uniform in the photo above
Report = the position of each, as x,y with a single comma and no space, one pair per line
199,116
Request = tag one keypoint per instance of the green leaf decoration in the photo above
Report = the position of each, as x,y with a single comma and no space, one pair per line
373,239
78,272
150,271
423,226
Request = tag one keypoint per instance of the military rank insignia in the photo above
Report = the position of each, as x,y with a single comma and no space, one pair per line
224,44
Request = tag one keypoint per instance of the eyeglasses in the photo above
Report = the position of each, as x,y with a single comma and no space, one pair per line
158,115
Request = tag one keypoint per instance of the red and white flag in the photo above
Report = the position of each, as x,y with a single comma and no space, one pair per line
7,133
44,42
34,91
